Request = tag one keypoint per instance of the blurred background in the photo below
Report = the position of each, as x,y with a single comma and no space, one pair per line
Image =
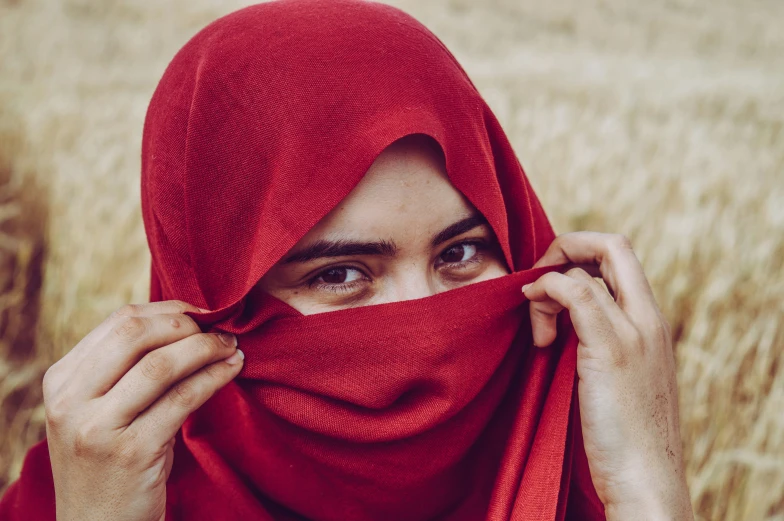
659,119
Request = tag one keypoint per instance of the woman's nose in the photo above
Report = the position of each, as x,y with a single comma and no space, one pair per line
410,286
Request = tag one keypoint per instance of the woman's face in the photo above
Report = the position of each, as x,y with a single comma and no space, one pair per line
404,232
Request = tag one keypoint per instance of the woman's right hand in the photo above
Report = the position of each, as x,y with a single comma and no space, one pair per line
115,402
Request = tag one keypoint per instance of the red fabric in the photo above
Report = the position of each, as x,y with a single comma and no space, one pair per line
430,409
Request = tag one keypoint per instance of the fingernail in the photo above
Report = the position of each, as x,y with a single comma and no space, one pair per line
203,310
236,358
526,287
228,339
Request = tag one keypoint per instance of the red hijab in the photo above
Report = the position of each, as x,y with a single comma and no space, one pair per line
432,409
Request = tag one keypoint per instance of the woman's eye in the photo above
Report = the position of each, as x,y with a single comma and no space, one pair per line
459,253
339,276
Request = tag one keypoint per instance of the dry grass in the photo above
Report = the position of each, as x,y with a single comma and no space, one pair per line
23,218
663,120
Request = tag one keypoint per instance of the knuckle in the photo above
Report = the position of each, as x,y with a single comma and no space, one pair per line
128,310
57,410
130,328
181,306
88,441
157,366
51,377
621,242
184,395
582,292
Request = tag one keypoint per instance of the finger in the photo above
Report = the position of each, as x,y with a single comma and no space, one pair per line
162,419
544,321
544,314
124,345
599,291
164,307
594,323
68,364
618,265
160,369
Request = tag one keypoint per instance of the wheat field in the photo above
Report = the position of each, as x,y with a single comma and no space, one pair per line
659,119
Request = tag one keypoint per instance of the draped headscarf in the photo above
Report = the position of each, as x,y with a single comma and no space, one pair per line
431,409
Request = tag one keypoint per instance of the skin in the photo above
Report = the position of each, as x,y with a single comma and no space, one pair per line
403,212
114,402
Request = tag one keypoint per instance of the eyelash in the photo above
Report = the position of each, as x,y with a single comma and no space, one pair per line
347,287
342,288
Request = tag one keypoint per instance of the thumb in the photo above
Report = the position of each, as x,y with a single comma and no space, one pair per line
544,316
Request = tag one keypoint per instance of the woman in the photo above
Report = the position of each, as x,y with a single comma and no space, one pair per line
324,182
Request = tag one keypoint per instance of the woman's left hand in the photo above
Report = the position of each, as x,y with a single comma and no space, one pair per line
626,367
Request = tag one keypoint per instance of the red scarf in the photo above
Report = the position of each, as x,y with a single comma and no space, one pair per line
432,409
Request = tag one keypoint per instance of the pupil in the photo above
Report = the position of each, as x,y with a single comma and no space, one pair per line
335,276
454,254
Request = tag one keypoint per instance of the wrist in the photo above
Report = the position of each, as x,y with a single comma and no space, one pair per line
649,511
669,501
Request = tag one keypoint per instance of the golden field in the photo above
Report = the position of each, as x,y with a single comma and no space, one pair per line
659,119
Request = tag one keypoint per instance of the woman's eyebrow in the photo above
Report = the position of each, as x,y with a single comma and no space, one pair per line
341,248
453,230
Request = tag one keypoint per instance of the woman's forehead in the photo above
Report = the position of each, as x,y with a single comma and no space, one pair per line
406,193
